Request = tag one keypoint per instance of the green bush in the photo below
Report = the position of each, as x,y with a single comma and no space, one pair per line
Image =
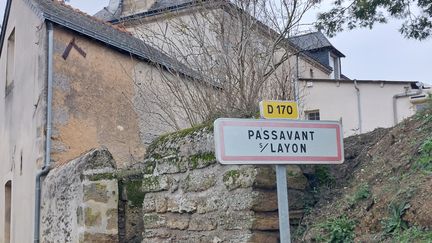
338,230
362,192
395,224
322,173
424,162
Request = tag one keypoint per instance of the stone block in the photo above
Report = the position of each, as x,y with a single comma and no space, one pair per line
265,177
149,203
198,181
151,183
92,217
161,204
156,233
236,220
201,160
156,240
265,201
266,221
211,203
154,202
202,222
170,165
267,237
240,199
99,238
96,191
112,219
295,178
181,204
178,221
154,220
239,178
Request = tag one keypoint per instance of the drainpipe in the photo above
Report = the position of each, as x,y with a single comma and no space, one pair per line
358,106
401,95
46,167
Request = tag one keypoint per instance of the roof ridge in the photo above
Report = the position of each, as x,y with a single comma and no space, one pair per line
309,33
117,27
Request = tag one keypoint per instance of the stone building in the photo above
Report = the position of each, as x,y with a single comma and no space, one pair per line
367,104
73,82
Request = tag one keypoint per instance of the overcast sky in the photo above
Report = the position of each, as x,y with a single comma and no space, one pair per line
380,53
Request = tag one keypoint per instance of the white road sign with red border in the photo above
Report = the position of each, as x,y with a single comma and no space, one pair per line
259,141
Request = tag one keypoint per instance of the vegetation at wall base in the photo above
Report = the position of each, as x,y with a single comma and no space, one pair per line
339,229
381,193
395,223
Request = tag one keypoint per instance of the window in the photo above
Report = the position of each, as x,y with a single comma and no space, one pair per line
313,115
335,64
8,211
10,65
311,73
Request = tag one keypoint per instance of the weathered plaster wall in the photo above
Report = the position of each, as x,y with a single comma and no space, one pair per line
181,194
96,102
22,116
79,204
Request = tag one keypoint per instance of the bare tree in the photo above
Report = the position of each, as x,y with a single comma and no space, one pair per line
237,52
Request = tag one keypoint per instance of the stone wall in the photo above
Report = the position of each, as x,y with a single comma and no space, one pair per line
79,201
181,193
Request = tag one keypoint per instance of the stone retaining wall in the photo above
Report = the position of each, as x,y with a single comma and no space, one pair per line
79,201
181,194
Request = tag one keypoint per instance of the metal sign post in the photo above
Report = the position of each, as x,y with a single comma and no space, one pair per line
283,209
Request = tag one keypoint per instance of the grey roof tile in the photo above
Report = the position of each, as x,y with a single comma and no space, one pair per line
104,15
313,41
160,4
109,34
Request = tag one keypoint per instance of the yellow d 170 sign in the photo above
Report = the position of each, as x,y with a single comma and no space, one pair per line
279,109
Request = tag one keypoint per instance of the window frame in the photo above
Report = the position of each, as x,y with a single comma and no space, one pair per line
315,113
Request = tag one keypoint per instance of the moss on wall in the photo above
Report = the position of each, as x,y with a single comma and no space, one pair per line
134,192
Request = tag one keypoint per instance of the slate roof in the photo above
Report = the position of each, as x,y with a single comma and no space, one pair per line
159,7
313,41
164,6
68,17
161,4
105,15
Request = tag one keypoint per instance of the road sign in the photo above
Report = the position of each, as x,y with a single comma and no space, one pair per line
258,141
271,109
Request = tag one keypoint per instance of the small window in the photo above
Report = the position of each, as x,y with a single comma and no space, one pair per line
10,63
335,64
313,115
311,73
